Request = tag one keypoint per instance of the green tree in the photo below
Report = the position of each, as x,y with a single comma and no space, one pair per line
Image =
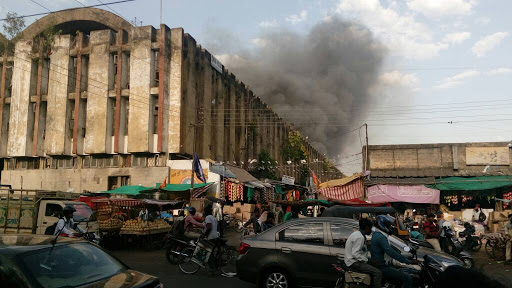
266,166
13,25
293,148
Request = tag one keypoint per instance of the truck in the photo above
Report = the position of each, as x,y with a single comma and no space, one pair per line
33,211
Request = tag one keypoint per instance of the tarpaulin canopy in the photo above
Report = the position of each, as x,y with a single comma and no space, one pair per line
183,187
130,190
408,194
343,189
162,202
340,182
472,183
239,174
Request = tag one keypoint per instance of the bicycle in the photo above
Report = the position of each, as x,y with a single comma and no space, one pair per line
495,245
224,258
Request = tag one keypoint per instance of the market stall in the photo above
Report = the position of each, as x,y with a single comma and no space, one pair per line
134,222
343,189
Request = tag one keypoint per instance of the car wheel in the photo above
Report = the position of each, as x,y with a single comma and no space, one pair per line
276,279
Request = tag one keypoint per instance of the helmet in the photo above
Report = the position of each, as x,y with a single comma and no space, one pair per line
386,223
192,210
68,210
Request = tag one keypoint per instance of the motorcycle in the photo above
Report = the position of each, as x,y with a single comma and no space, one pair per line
470,241
174,252
455,250
425,276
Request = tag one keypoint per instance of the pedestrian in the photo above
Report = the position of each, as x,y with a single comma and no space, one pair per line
356,252
432,232
508,232
254,221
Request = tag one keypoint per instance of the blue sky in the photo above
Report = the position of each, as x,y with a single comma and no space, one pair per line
447,60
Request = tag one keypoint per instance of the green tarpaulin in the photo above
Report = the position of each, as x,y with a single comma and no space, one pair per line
182,187
472,183
130,190
279,190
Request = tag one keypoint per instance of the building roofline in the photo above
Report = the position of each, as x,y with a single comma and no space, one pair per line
79,14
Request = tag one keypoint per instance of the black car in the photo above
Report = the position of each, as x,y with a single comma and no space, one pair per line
301,253
33,261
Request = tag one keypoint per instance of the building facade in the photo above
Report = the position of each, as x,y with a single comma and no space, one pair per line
423,162
100,102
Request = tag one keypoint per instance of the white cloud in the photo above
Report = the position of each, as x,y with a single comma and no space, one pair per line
457,79
397,78
403,34
500,71
482,21
439,8
268,24
259,42
489,42
456,38
297,18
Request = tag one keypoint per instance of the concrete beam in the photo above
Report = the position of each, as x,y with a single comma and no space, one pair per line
58,140
99,78
20,136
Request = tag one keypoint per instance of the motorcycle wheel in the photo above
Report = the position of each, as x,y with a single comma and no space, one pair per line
171,257
468,262
478,246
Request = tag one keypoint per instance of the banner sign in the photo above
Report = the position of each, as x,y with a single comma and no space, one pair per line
408,194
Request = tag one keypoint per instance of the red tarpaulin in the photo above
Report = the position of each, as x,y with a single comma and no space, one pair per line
359,203
343,189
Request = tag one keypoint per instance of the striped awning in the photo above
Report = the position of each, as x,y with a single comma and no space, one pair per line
199,191
349,191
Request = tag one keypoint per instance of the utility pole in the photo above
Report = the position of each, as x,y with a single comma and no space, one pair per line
366,152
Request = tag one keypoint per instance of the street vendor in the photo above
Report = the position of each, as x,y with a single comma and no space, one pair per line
191,223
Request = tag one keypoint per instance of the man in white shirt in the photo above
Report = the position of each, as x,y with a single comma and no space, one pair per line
356,252
66,225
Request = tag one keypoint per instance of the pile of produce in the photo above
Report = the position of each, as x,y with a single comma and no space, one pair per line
111,223
138,225
105,209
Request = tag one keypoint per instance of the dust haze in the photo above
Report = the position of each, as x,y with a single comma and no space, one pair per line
319,81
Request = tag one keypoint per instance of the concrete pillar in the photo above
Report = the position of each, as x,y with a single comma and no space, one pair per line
20,132
219,118
97,140
233,117
175,90
199,87
140,136
207,107
58,140
241,147
188,110
165,32
227,116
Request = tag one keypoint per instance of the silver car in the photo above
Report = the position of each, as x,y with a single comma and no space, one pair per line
301,253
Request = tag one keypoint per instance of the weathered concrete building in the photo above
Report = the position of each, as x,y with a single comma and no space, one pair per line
103,103
422,163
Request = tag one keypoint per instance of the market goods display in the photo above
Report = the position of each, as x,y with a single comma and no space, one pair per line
111,223
104,209
137,225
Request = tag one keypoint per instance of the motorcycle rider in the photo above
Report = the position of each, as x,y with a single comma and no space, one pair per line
190,223
356,252
380,247
66,224
432,232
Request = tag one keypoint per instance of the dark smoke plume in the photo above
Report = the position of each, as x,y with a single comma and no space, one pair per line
319,81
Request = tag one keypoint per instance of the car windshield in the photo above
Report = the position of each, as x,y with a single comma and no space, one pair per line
70,265
82,213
